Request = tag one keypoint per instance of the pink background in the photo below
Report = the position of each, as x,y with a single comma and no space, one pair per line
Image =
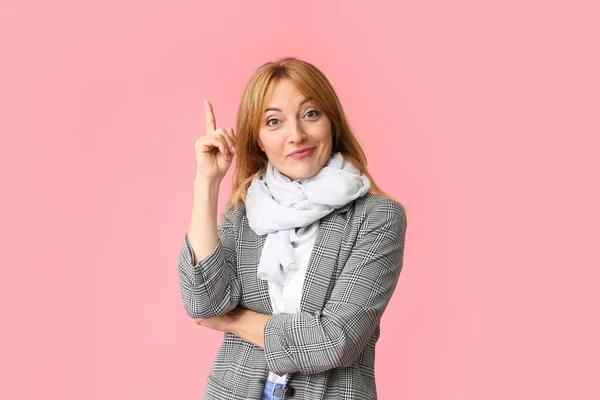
482,117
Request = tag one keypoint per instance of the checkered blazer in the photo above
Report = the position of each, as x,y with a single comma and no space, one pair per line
328,349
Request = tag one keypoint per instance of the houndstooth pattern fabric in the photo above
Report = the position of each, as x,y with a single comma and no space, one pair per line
328,349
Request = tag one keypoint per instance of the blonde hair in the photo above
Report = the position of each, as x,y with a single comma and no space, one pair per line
311,82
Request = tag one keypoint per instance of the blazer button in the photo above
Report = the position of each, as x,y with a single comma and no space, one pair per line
290,391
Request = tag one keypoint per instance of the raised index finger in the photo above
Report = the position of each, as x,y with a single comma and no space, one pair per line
211,124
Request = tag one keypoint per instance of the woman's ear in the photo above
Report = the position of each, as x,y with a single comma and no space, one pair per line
260,145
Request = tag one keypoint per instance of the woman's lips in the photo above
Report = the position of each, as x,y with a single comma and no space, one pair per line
302,154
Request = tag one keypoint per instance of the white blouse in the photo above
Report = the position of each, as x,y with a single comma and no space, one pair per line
286,299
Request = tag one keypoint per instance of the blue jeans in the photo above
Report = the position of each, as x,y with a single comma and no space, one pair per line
272,391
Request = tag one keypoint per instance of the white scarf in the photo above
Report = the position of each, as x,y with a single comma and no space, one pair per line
276,206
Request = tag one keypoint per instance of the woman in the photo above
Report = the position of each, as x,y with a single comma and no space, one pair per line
309,250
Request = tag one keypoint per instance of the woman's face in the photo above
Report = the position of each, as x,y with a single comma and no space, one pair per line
291,123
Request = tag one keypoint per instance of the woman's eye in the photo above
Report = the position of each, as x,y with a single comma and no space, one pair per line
271,120
312,114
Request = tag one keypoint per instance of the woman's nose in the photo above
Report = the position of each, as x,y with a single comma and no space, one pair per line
297,133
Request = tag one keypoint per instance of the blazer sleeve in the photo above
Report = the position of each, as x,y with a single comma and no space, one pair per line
336,335
211,286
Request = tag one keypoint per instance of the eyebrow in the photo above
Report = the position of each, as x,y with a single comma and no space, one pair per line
279,109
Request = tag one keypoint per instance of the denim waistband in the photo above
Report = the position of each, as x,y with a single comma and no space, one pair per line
273,391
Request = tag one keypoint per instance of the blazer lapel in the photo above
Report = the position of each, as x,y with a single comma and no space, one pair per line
263,286
323,260
255,292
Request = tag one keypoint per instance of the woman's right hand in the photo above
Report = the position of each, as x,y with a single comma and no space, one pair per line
214,150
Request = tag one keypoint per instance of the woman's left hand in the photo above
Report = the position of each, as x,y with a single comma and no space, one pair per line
223,323
247,324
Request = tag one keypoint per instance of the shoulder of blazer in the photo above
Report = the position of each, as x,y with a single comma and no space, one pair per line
234,216
373,203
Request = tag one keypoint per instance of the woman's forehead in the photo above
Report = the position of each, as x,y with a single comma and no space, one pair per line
282,92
